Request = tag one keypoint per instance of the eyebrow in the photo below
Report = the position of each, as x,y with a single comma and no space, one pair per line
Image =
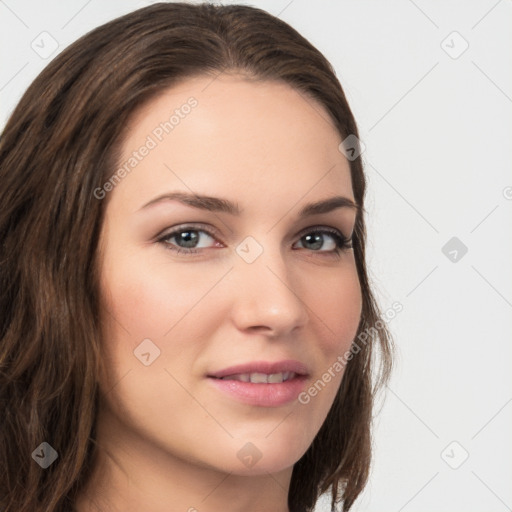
217,204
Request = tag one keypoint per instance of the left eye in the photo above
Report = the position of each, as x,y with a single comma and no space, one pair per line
190,236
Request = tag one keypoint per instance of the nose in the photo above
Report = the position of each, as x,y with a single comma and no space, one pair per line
268,296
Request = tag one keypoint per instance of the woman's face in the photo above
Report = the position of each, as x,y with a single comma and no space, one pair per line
259,295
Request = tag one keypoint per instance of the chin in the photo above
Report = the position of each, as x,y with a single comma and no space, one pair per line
262,455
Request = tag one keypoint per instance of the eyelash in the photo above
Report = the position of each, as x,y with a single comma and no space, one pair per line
342,243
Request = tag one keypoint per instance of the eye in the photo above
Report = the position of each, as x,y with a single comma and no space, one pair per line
315,238
188,236
186,239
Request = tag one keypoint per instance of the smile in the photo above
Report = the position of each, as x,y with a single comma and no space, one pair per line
261,378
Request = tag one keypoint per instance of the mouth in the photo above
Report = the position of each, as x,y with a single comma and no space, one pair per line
261,378
260,371
262,384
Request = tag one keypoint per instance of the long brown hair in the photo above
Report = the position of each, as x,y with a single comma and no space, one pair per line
59,145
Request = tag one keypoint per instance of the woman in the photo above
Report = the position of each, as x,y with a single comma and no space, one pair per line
187,322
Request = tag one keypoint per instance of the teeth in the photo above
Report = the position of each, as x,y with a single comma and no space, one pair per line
258,378
261,378
275,377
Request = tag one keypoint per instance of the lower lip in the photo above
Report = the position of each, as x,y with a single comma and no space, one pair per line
263,395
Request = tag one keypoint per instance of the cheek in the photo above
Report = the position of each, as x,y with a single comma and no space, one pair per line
149,300
337,306
168,304
337,314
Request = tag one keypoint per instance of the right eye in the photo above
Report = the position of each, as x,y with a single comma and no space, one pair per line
189,236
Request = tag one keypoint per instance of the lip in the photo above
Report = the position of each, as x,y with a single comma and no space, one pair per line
288,365
262,394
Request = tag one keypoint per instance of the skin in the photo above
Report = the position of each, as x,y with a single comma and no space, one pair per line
169,439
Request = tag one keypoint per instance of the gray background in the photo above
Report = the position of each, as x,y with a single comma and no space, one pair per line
430,84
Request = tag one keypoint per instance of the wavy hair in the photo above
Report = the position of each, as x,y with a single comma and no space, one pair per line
59,145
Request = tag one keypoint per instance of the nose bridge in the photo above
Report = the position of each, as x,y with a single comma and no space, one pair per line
267,294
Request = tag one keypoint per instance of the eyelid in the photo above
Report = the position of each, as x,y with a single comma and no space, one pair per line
321,227
193,226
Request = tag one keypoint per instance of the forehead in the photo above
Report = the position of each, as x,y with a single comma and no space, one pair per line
229,133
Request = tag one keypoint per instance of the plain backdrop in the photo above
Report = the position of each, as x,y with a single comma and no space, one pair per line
430,84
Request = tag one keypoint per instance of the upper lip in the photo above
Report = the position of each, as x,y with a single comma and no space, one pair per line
267,367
